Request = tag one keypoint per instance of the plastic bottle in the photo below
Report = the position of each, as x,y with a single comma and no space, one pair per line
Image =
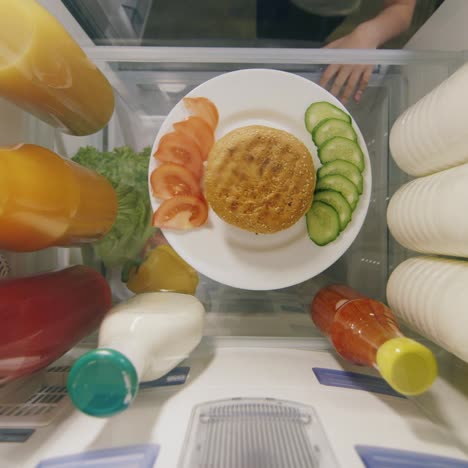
45,72
46,200
431,134
45,315
364,331
141,339
430,294
425,215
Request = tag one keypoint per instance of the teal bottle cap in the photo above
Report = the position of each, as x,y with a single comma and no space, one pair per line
102,382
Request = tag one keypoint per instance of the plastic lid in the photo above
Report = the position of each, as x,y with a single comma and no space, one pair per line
408,366
102,382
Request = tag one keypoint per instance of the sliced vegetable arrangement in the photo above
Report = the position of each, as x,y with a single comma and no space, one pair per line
339,179
177,179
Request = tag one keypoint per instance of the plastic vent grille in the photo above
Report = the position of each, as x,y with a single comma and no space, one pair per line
4,267
35,401
59,369
256,433
42,402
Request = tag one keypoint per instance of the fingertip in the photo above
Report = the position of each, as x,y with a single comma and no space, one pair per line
327,75
336,88
346,95
324,80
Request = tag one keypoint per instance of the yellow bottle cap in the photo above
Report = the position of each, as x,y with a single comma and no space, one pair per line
408,366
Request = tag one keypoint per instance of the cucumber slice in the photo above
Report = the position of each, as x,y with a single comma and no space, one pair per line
338,202
330,128
340,184
344,168
342,148
322,110
323,224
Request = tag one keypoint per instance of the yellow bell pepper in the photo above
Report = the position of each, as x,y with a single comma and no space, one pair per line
162,270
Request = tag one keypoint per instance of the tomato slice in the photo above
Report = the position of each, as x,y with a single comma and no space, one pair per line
204,108
170,180
199,130
177,148
181,212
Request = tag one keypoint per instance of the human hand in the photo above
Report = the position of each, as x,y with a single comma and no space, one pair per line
348,80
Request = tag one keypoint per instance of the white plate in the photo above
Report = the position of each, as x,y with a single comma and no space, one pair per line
240,258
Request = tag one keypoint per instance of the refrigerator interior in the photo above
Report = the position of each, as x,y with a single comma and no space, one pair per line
245,330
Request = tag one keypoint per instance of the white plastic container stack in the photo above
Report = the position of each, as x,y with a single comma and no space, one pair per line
431,135
430,295
427,214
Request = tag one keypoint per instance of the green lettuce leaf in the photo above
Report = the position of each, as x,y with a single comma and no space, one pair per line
120,166
127,171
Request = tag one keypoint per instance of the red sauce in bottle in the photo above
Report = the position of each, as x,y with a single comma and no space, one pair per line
45,315
357,326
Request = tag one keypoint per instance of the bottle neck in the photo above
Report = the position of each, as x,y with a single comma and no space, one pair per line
326,303
135,351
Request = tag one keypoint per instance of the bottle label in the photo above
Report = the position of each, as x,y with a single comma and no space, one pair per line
15,435
176,376
138,456
354,380
378,457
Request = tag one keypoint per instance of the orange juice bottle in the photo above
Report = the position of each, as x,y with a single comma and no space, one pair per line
45,72
47,201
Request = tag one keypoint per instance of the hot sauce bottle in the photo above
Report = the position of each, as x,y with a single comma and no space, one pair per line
365,332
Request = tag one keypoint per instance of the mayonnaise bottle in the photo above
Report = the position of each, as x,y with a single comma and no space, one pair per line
427,214
140,339
430,294
431,134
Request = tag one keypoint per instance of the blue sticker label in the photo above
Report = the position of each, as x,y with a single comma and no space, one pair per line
354,380
177,376
136,456
15,435
377,457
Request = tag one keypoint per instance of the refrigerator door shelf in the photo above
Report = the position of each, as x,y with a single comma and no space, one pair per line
223,374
